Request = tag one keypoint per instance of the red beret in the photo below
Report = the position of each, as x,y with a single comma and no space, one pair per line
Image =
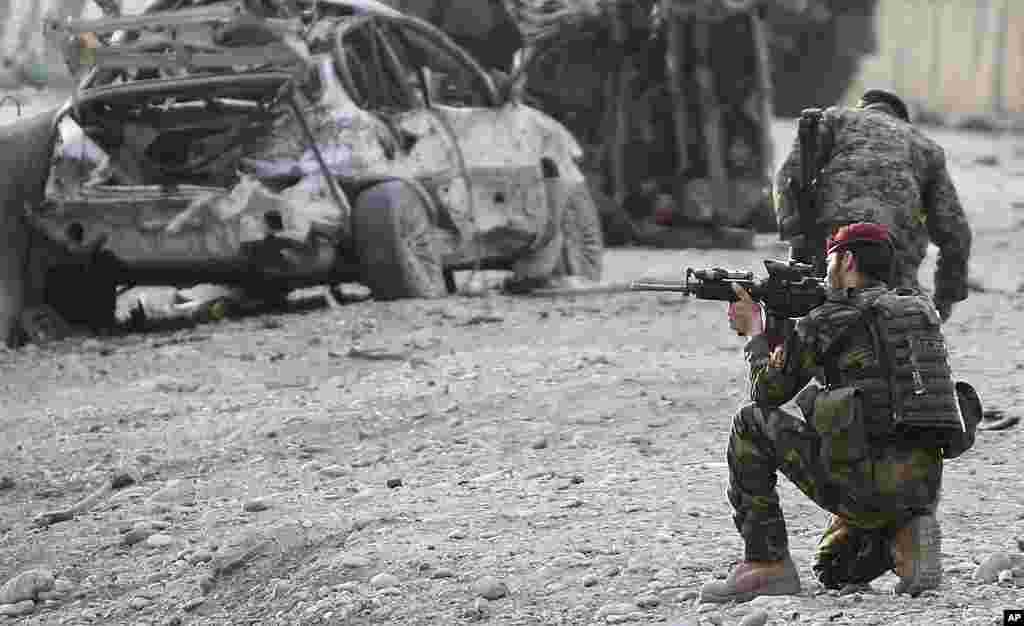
861,232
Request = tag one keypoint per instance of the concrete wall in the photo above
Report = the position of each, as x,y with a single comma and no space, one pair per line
22,42
952,56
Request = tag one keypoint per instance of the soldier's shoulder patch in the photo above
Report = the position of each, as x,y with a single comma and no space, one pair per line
827,322
831,313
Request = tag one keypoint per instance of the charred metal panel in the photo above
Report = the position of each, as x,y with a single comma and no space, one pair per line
481,165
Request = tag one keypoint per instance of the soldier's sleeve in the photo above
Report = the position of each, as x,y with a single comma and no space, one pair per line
948,229
783,198
772,387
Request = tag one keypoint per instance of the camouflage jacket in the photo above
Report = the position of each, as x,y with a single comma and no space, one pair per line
807,348
834,346
884,170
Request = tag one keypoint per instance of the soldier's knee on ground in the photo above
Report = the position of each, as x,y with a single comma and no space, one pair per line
854,557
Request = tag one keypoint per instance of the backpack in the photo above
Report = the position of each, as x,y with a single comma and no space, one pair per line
923,397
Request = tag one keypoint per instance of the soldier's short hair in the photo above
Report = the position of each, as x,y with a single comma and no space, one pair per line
874,260
881,96
871,245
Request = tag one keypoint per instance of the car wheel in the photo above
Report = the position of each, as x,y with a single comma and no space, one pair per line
583,251
395,242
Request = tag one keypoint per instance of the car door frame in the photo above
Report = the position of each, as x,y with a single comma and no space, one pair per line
476,179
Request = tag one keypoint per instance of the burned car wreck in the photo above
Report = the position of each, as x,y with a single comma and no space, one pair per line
279,145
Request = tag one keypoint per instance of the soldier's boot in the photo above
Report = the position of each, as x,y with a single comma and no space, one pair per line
916,555
849,557
751,579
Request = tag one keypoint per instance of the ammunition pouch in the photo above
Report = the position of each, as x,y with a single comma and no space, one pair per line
971,412
839,419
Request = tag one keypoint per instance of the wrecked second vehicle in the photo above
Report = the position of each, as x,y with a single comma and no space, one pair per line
274,146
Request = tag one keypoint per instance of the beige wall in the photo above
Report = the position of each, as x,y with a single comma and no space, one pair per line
945,54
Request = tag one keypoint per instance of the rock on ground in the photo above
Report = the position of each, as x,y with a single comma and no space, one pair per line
632,392
26,586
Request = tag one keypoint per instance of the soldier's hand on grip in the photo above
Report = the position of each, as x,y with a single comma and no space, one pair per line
745,314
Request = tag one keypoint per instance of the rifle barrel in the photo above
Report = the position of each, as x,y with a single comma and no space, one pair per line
677,286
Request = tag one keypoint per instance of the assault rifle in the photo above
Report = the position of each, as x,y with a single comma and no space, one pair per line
790,291
808,246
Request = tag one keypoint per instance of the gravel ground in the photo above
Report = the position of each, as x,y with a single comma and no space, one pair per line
501,460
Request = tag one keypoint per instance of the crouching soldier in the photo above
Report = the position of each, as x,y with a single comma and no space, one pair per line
870,449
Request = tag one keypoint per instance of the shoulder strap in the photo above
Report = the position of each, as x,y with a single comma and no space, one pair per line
868,320
826,141
870,316
843,338
880,342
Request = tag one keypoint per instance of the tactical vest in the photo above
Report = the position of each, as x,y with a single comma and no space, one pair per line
908,388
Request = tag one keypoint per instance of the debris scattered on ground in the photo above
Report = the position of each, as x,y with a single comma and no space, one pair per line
976,286
483,319
384,580
990,569
587,522
376,354
18,609
26,586
117,481
256,505
997,419
490,588
757,618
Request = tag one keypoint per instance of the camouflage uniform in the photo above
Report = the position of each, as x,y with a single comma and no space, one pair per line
110,8
885,170
875,496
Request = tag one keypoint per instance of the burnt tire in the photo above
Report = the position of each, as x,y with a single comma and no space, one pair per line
395,242
583,248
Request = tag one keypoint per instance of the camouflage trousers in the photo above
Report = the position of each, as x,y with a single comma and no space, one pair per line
872,498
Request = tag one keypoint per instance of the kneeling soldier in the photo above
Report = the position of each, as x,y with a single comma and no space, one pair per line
870,449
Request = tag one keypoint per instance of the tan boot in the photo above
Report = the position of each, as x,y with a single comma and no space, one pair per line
751,579
916,554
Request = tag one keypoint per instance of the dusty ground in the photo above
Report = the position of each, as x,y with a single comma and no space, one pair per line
571,448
